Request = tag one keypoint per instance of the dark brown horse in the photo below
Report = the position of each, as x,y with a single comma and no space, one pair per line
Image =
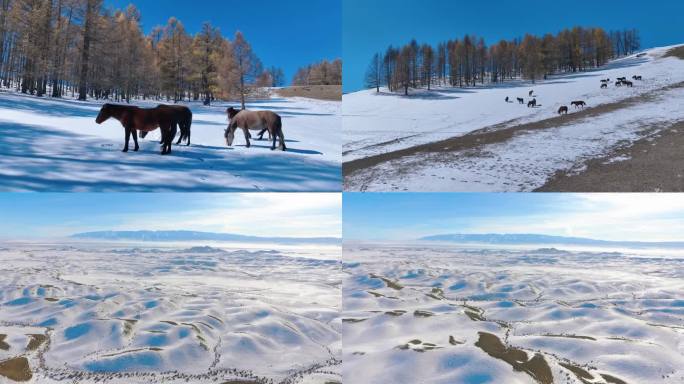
183,118
563,110
135,119
255,120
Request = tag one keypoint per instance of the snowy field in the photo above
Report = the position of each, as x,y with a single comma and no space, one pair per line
55,145
83,313
442,314
379,123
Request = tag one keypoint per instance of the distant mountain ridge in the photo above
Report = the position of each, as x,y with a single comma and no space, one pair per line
513,239
200,236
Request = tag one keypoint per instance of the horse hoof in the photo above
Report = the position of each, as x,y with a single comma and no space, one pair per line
125,150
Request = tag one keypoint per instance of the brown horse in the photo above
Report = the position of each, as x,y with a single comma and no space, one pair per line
563,110
255,121
135,119
183,118
232,112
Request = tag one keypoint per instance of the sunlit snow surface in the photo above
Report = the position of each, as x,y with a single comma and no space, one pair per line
434,314
136,315
375,124
55,145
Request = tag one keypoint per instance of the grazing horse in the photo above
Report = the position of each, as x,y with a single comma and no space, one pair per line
618,83
563,110
521,100
622,78
578,104
628,83
507,99
531,92
232,112
605,81
532,103
135,119
256,121
604,85
635,77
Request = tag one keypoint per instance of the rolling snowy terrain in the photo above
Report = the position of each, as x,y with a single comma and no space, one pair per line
397,131
85,313
450,314
55,145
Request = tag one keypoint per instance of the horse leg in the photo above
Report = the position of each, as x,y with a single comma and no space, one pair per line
282,140
128,137
181,136
135,139
261,134
272,136
164,134
247,136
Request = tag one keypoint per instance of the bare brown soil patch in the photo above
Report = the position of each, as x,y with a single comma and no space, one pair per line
654,163
676,52
3,345
16,369
537,367
35,341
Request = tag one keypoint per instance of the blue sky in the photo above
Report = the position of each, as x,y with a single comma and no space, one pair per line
370,26
288,34
48,215
407,216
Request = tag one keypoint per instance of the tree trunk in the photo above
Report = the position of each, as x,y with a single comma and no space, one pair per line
85,54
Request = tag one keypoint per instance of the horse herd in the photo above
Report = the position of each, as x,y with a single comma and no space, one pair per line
620,81
169,118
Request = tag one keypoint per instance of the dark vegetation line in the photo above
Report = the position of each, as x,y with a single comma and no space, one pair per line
468,61
82,49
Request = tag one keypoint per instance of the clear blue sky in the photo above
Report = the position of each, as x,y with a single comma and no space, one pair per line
48,215
288,34
408,216
370,26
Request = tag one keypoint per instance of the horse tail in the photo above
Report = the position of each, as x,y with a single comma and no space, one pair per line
189,124
279,131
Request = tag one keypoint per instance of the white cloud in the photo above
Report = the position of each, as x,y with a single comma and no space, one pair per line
640,217
262,214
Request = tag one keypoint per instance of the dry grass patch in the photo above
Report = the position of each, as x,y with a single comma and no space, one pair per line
321,92
676,52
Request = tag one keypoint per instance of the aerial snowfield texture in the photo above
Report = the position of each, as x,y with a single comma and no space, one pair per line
55,145
451,139
440,314
139,314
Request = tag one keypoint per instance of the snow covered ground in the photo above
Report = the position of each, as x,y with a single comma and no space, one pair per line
55,145
137,314
379,123
449,314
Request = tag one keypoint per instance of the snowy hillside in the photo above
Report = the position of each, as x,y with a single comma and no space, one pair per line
55,145
416,314
533,239
394,142
140,315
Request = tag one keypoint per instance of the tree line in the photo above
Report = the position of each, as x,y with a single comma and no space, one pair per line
78,47
468,61
322,73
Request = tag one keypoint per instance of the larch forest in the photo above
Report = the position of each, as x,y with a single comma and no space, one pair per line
468,61
83,49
